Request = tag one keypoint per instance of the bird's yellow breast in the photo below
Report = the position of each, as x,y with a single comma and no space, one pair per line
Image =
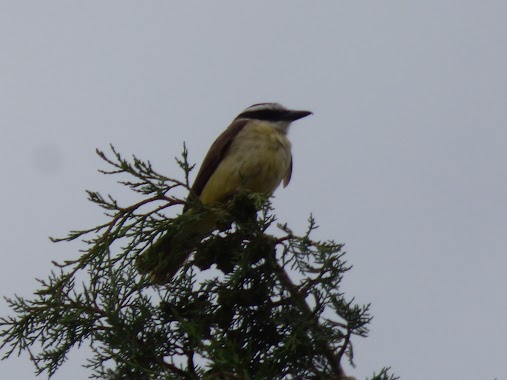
258,159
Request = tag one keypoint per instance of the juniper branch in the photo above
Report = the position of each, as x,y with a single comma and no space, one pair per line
254,320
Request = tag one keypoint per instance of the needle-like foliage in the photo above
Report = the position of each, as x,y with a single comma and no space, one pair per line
255,301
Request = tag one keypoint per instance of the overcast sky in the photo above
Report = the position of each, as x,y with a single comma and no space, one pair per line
404,159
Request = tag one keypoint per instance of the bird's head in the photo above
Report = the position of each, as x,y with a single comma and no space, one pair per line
273,113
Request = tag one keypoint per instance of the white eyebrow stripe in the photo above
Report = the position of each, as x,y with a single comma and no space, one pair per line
264,106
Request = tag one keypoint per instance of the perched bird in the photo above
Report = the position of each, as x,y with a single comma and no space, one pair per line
253,154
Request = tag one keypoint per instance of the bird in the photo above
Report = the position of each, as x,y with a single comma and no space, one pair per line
252,154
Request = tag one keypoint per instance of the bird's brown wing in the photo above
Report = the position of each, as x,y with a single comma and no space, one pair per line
288,175
215,154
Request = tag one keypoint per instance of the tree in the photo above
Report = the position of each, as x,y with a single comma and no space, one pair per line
272,310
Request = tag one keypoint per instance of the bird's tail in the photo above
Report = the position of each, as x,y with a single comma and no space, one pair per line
164,258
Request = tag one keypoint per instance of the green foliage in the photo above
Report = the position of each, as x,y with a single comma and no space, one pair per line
272,310
384,375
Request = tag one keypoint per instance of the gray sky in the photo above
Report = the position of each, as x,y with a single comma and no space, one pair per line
404,159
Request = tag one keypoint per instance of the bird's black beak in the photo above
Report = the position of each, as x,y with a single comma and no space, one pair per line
296,115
